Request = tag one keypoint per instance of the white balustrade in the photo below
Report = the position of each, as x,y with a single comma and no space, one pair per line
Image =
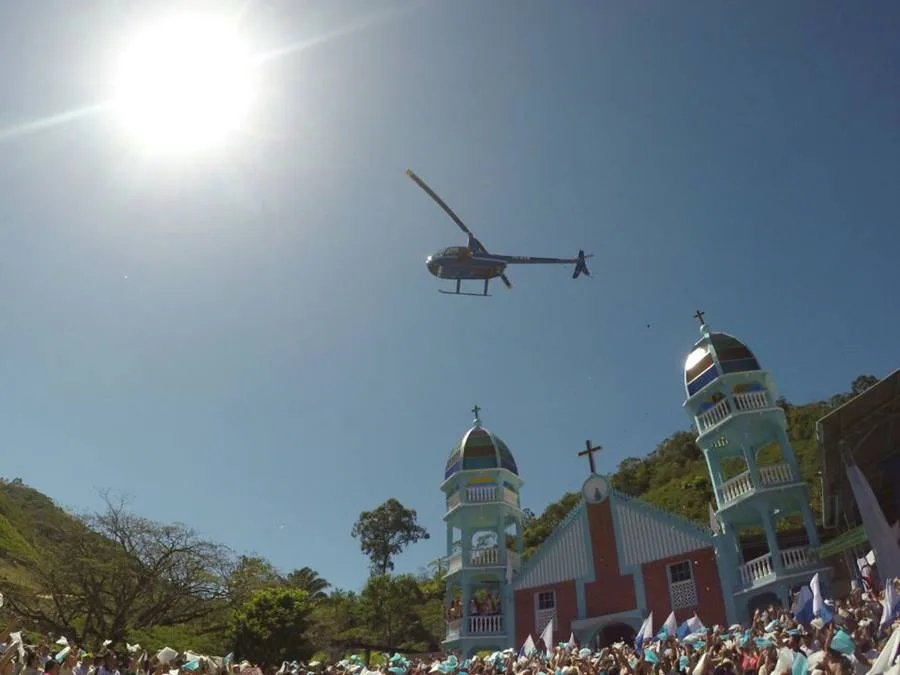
751,400
480,495
485,557
775,474
455,563
486,624
800,556
747,401
453,629
453,501
770,475
757,569
710,418
511,498
736,487
542,617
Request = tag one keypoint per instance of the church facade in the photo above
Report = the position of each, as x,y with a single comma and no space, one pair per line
615,559
611,562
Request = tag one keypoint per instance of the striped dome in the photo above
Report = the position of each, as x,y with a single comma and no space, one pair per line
713,355
480,449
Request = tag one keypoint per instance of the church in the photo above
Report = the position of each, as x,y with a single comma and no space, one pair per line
615,558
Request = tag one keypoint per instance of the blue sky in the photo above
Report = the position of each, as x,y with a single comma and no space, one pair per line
248,338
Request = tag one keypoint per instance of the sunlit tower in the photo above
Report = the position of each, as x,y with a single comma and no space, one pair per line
755,477
484,541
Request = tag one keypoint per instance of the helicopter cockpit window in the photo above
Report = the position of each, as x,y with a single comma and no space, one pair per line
451,251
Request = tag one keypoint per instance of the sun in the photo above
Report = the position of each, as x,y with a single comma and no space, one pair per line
183,82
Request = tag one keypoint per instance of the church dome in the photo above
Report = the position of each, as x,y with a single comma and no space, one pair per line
713,355
479,449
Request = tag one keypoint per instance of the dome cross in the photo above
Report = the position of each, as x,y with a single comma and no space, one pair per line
699,316
476,410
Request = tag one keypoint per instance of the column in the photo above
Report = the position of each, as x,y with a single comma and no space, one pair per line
465,597
772,541
715,473
809,522
750,457
787,452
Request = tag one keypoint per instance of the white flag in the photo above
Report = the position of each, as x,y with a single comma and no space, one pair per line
547,636
528,646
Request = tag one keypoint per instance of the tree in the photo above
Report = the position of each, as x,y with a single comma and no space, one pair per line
861,383
251,574
385,532
272,627
114,572
307,579
389,609
335,623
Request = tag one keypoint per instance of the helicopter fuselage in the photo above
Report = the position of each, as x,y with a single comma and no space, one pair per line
459,262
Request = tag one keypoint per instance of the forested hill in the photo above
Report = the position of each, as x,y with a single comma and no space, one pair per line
674,476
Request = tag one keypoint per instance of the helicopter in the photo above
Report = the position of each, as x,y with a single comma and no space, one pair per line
474,262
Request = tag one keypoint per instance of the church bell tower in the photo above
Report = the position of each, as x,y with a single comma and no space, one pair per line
755,476
484,541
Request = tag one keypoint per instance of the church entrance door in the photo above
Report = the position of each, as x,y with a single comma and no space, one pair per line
615,632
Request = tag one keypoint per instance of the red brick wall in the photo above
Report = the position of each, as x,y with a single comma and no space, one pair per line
711,605
611,592
566,611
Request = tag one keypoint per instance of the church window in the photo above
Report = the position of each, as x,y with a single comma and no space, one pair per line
682,589
546,600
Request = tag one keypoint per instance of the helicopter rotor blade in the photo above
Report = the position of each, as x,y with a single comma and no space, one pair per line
440,202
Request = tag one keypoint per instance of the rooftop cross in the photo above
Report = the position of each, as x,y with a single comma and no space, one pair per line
589,451
699,316
476,411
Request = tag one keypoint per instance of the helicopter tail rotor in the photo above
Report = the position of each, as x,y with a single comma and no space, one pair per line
581,265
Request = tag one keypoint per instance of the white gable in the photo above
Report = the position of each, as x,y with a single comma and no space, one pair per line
566,555
647,533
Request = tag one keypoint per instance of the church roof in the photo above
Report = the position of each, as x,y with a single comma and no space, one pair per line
644,533
713,355
479,449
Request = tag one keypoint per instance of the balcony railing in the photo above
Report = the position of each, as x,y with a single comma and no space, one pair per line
761,569
747,401
770,475
478,625
483,557
486,624
799,556
757,569
482,494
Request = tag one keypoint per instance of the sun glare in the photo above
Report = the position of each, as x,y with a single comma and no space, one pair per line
184,82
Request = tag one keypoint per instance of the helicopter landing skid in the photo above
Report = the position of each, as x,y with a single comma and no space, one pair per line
474,295
483,294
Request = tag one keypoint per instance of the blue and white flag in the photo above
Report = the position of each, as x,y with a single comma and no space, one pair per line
645,633
819,608
689,627
802,609
669,628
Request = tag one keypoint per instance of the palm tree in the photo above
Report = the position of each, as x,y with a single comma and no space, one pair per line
307,579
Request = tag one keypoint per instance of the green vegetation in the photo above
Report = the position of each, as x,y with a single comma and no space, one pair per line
114,575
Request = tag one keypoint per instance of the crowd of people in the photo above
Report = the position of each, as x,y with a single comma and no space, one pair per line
488,605
857,635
